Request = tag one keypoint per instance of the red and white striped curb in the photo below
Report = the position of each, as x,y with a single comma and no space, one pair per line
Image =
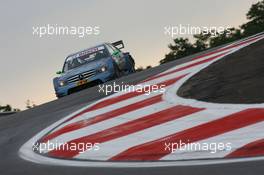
132,128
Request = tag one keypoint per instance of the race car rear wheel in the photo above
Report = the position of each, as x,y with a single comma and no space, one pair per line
117,71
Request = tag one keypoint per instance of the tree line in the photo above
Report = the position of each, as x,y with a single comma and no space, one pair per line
8,108
182,47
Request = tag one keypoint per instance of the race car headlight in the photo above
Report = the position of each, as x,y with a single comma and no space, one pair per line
62,83
103,69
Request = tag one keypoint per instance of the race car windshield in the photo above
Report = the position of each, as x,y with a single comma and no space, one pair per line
72,62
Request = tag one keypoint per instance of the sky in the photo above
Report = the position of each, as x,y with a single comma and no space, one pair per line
28,63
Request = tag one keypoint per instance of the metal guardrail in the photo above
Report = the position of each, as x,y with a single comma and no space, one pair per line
6,113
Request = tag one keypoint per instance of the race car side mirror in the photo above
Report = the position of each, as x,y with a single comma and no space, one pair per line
116,53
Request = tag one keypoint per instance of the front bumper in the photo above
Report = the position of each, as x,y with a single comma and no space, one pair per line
91,81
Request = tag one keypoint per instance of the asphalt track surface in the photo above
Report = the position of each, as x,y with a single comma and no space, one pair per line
16,129
239,78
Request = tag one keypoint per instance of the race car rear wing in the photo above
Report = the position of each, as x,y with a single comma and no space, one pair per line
119,44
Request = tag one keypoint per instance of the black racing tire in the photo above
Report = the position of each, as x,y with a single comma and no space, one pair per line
117,71
132,62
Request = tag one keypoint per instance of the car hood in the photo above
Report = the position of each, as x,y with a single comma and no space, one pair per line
93,65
